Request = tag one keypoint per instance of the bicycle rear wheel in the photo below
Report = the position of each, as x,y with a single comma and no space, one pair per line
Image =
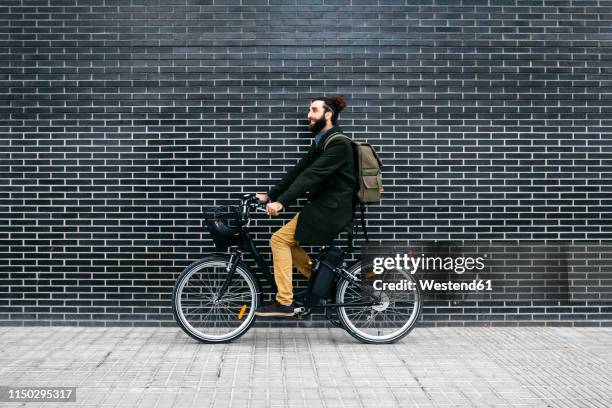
394,313
198,311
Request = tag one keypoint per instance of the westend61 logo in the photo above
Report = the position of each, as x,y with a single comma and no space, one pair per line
409,263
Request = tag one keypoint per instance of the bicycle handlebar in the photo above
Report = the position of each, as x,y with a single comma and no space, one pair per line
251,202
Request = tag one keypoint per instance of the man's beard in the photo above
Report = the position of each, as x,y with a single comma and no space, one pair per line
317,125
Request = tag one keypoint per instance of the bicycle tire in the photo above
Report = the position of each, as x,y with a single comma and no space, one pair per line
179,303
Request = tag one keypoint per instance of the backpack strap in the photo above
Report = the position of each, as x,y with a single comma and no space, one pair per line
349,241
365,231
353,228
335,136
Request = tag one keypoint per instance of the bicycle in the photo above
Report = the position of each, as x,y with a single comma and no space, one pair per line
215,298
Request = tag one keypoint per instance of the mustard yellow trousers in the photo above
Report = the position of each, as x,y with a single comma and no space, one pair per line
285,253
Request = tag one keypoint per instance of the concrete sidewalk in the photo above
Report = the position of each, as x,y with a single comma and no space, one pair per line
306,367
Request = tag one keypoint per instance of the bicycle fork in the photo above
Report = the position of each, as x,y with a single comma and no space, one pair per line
230,269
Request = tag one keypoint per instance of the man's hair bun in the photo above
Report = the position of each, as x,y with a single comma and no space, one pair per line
339,101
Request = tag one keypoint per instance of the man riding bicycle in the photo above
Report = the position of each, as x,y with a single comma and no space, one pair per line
327,174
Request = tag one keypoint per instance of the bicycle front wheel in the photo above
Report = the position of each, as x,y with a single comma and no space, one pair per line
201,314
393,313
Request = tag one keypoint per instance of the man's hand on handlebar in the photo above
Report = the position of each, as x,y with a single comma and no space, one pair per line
274,208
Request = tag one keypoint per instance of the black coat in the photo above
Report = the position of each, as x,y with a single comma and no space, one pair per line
329,179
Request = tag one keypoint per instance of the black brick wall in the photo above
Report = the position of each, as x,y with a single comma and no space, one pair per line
122,119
